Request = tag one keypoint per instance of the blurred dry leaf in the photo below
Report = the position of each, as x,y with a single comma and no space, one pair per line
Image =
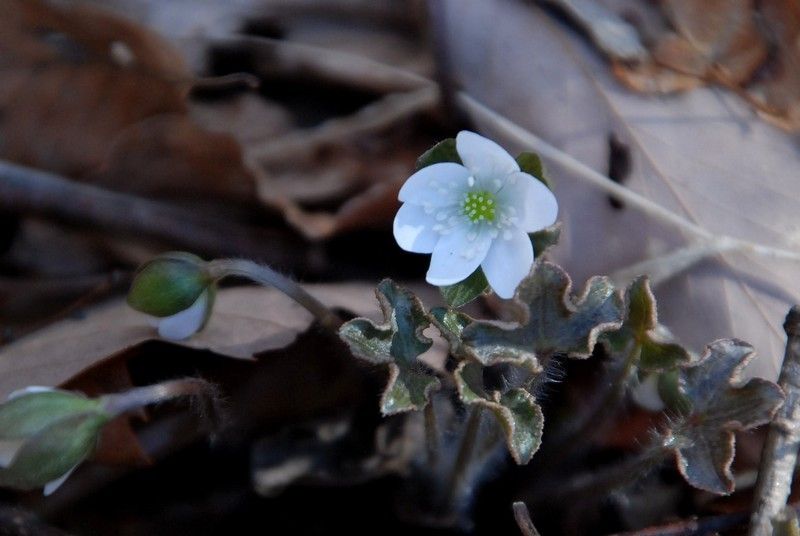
246,321
701,154
749,47
100,99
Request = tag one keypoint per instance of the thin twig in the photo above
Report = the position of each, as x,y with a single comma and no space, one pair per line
641,203
265,275
279,57
779,456
373,117
664,267
31,191
523,519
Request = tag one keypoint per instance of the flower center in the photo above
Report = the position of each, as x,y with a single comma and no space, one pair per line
480,206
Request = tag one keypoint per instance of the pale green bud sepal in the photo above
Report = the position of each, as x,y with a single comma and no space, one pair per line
169,284
44,434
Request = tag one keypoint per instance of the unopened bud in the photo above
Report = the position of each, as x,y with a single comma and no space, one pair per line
169,284
44,434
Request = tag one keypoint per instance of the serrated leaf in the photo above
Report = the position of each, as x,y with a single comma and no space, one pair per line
396,343
516,411
702,439
638,333
465,291
531,164
444,151
545,239
553,321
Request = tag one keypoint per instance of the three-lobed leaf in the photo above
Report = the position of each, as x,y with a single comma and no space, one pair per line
717,404
397,343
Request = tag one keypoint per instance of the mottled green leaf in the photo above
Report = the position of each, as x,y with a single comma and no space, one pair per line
719,404
639,336
531,164
552,321
465,291
396,343
515,410
444,151
545,239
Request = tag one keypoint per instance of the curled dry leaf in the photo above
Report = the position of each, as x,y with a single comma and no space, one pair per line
245,322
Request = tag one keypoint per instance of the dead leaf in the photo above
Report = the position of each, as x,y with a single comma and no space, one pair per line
92,96
702,155
247,321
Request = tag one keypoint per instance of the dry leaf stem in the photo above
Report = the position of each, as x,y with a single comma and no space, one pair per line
265,275
641,203
26,190
373,117
779,456
523,519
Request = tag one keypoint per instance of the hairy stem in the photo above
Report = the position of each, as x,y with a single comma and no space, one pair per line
523,519
779,456
431,434
464,456
265,275
119,403
599,411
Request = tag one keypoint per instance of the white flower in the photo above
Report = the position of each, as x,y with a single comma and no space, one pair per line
476,214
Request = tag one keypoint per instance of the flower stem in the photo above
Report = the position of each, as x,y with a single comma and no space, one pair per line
779,455
119,403
597,482
265,275
431,434
591,422
464,456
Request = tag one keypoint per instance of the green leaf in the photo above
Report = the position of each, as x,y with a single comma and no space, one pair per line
552,321
444,151
640,331
465,291
545,239
719,404
396,343
516,411
531,164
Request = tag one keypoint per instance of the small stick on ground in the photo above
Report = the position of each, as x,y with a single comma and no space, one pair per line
779,456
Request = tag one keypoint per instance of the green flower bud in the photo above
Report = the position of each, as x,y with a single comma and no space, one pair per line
169,284
44,434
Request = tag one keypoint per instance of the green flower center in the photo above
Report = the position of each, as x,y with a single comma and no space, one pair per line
480,206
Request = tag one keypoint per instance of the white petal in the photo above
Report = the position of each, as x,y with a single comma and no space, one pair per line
186,323
52,486
484,158
413,229
436,185
509,260
646,394
9,449
30,390
534,201
457,254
